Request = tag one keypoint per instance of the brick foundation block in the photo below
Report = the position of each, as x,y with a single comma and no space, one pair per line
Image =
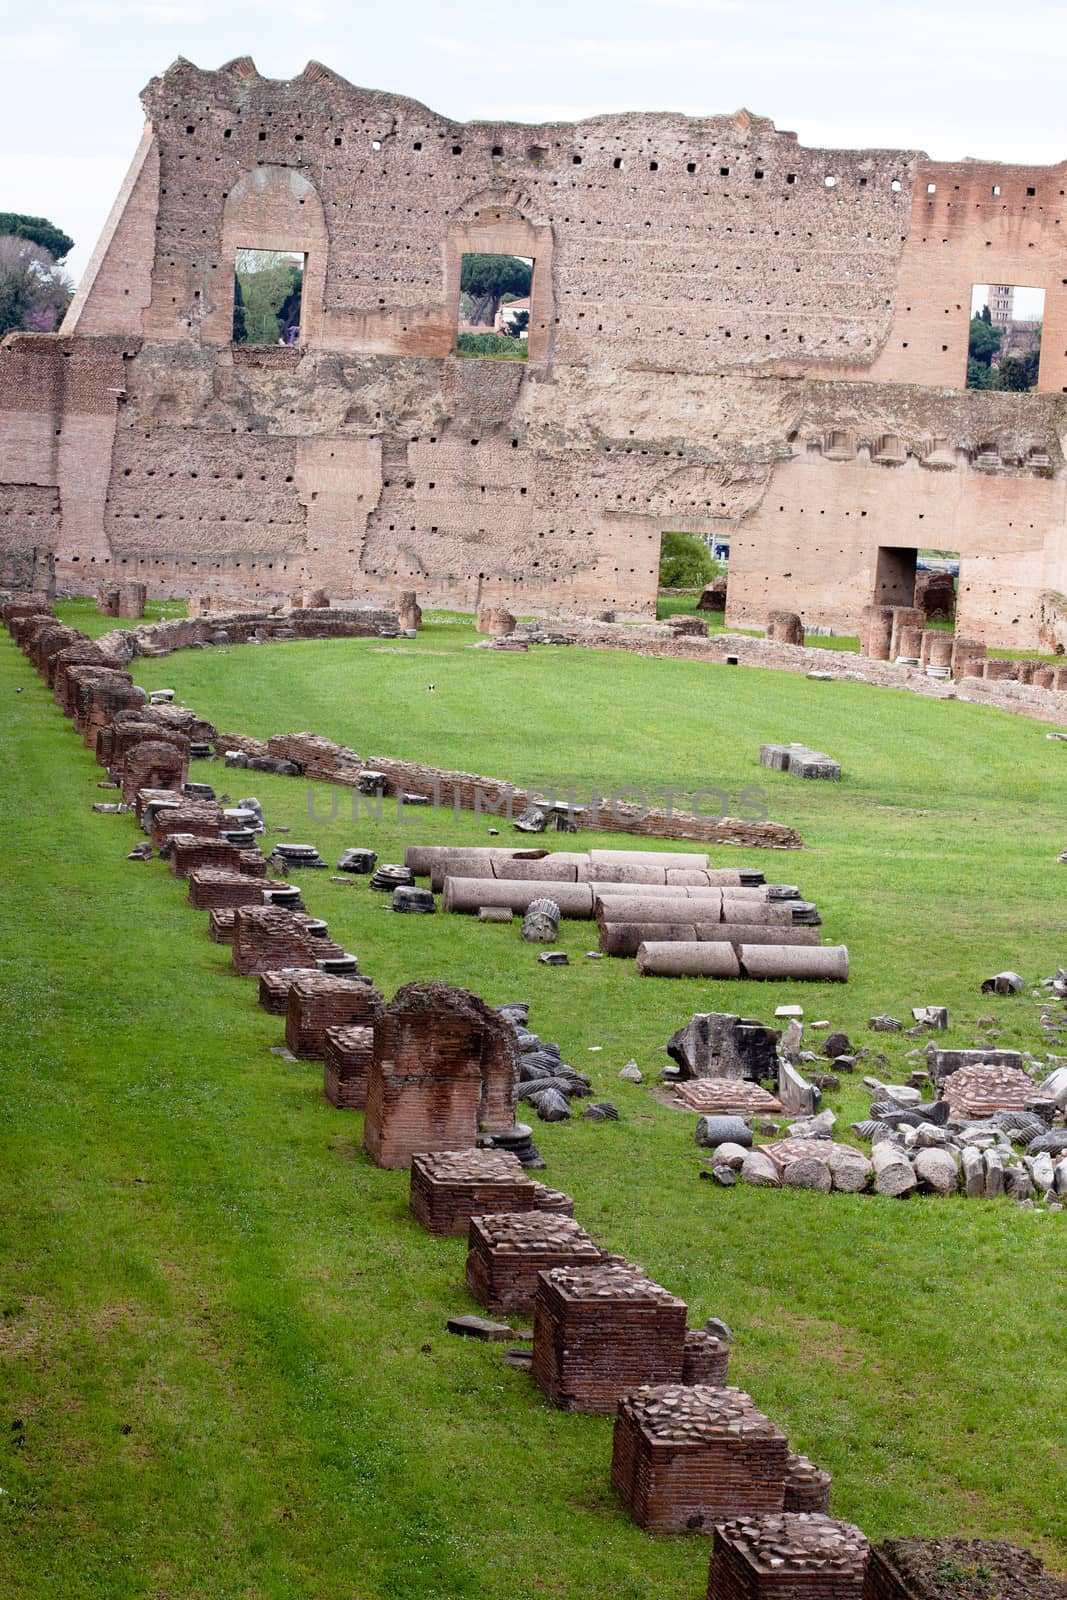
601,1331
506,1252
795,1556
686,1457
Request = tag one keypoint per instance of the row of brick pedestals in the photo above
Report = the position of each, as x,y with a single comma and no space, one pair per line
437,1073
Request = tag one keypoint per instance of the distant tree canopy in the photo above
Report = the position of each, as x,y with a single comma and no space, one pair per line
39,231
685,562
1018,373
487,279
34,291
985,340
266,297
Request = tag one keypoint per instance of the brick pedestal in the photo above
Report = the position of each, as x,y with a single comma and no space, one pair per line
211,889
444,1069
154,764
189,853
274,989
202,818
347,1054
220,925
320,1001
684,1457
602,1330
795,1556
506,1252
450,1187
266,937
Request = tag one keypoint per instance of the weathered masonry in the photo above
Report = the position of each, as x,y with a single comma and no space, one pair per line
728,333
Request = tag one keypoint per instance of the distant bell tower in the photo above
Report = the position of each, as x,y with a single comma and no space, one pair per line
1001,304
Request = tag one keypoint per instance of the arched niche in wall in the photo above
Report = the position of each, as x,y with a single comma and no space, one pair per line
495,224
272,208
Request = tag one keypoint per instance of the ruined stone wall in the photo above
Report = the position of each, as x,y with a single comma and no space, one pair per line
728,333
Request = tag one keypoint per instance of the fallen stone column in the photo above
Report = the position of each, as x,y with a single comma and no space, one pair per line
468,895
622,873
894,1174
680,891
461,864
700,959
625,938
762,912
824,964
559,868
637,908
650,858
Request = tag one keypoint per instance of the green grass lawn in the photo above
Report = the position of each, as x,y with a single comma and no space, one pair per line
82,613
222,1346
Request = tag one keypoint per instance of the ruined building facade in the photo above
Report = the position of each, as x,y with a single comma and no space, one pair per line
729,333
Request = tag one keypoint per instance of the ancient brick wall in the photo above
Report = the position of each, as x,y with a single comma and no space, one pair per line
729,333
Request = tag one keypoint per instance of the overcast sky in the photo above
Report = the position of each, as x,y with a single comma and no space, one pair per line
954,79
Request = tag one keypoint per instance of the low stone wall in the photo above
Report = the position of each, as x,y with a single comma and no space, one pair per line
325,762
1003,694
267,627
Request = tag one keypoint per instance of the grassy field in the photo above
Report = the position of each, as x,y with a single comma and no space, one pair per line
222,1346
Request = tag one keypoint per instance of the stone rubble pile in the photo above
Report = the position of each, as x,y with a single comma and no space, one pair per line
990,1129
546,1082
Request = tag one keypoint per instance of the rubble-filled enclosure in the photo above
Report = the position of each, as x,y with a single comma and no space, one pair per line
724,332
